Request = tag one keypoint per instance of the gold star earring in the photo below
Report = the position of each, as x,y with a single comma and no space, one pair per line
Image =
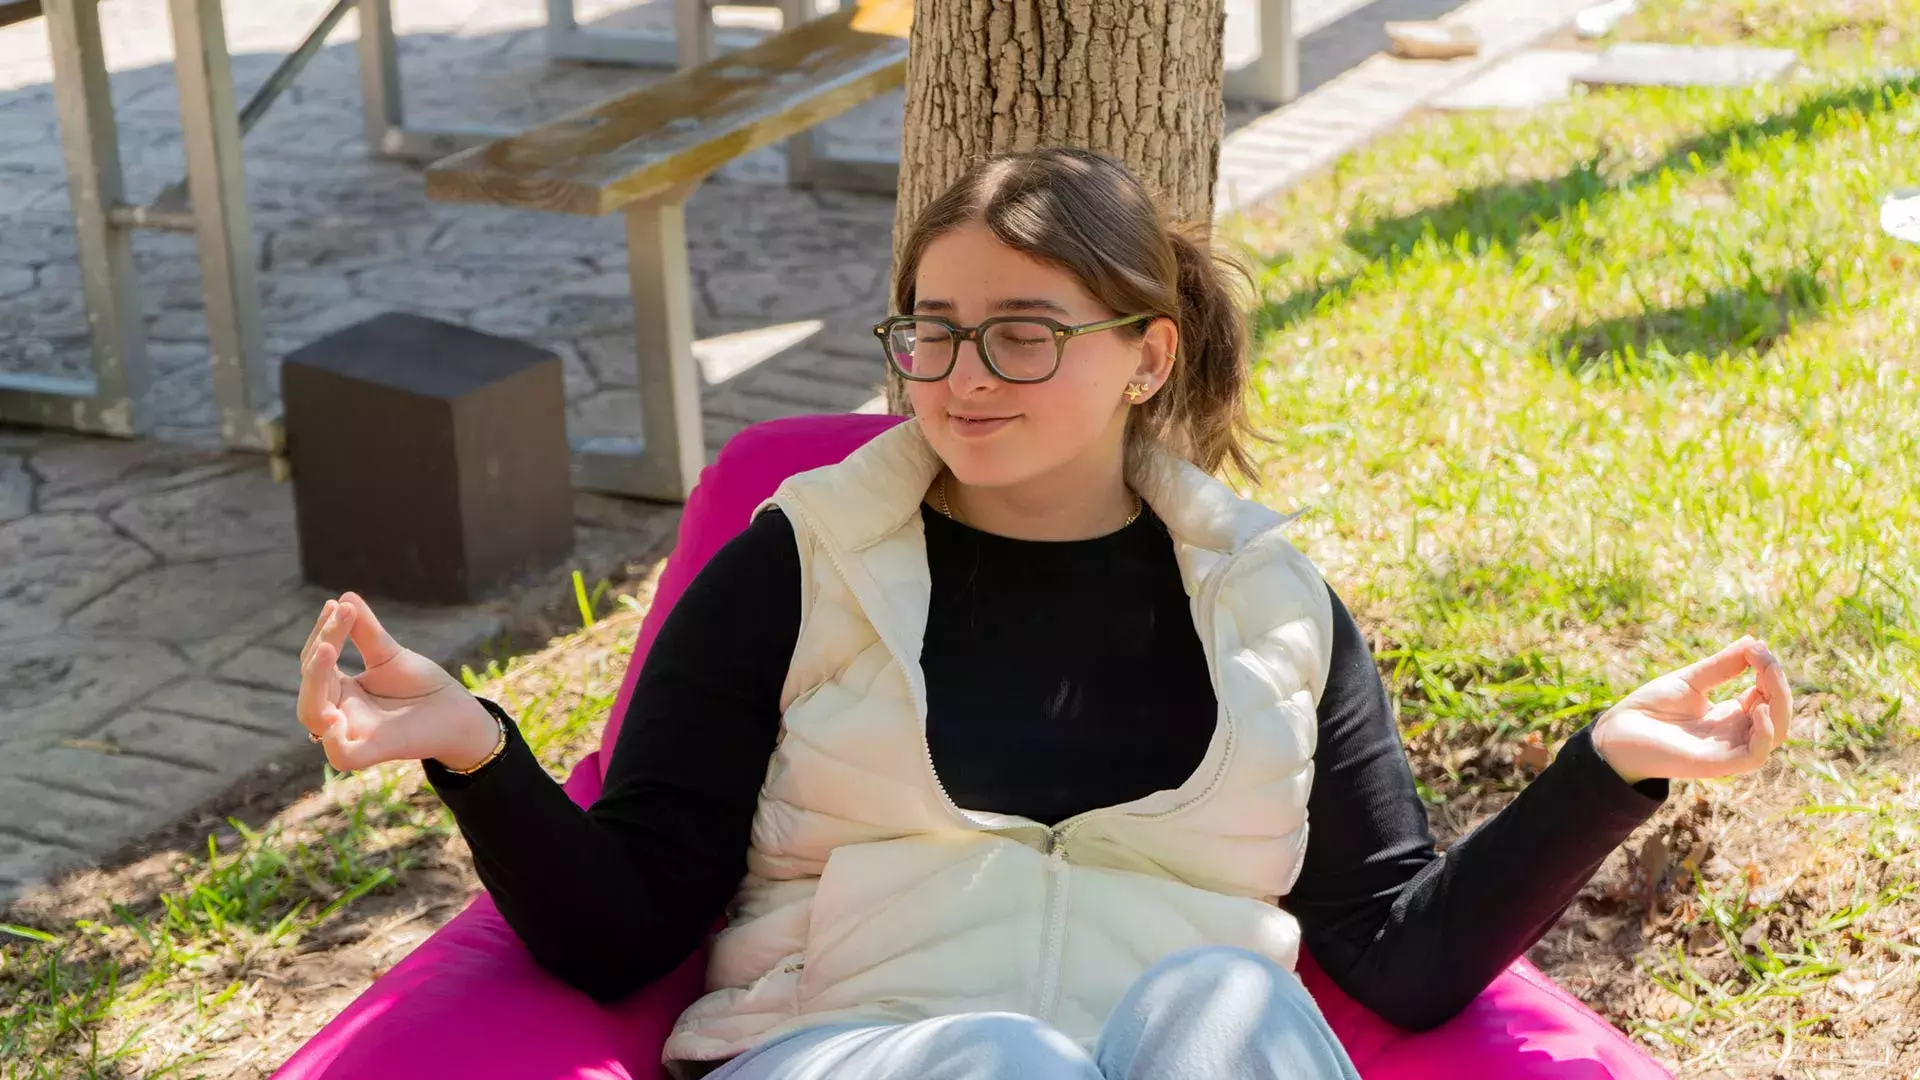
1136,391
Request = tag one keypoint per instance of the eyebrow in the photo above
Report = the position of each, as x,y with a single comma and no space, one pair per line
1009,304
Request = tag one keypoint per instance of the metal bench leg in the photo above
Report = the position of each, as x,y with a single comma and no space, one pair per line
380,100
870,175
692,32
561,26
665,461
114,400
802,149
568,40
1273,78
210,127
379,73
810,164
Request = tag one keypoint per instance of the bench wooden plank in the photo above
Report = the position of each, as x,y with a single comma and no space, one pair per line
671,133
13,11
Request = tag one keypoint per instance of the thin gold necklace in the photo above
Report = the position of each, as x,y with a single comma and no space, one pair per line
940,492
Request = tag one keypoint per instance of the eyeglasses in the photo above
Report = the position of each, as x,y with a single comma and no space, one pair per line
1017,348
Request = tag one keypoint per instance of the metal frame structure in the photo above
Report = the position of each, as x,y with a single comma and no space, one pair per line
114,401
210,126
665,460
209,202
380,96
568,40
1273,78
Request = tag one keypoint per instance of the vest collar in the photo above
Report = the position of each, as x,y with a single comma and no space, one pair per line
893,471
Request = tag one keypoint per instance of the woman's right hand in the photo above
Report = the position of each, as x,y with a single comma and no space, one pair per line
403,706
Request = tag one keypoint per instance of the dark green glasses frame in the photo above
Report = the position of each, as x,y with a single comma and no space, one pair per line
1061,333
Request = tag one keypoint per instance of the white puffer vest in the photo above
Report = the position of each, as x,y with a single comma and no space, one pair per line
870,896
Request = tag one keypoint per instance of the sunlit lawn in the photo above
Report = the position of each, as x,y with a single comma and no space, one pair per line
1578,395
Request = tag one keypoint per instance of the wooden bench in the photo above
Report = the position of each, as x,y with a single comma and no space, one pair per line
13,11
18,10
642,154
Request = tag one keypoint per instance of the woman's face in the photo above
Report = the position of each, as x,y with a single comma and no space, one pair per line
968,275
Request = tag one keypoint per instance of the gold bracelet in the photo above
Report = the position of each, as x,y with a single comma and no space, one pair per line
499,747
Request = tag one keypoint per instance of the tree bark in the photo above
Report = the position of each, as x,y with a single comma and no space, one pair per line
1138,79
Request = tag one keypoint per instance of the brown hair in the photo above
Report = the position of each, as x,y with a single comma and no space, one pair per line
1086,213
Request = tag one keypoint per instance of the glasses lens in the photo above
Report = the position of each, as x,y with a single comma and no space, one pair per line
1022,349
921,348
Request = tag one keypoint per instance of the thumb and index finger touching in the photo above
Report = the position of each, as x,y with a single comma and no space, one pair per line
1727,664
1768,697
341,620
369,636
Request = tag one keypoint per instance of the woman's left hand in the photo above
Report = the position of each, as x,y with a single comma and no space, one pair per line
1671,728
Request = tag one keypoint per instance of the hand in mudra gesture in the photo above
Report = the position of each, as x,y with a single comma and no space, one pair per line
1671,728
402,706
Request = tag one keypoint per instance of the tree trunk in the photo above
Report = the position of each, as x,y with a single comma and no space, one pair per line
1138,79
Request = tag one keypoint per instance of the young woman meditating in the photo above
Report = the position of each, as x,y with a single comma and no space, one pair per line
997,744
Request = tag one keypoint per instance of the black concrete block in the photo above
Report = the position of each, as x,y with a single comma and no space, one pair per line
430,461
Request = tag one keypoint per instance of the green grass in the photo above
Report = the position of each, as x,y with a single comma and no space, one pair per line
1578,395
184,953
1638,371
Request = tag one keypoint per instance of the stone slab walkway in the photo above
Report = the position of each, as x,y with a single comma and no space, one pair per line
151,610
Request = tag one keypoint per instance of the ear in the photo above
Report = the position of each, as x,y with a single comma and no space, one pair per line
1159,347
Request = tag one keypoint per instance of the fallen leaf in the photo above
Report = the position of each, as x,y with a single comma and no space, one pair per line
1653,865
1533,752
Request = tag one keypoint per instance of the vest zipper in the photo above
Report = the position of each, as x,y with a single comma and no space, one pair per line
1048,993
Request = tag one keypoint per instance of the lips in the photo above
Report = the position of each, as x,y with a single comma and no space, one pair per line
967,427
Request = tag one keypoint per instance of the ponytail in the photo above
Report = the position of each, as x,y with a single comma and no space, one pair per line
1202,410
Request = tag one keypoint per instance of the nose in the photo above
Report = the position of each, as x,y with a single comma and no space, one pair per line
970,372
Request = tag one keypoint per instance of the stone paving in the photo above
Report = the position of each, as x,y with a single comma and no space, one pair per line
151,609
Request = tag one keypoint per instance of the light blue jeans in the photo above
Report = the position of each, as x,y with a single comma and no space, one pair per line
1207,1013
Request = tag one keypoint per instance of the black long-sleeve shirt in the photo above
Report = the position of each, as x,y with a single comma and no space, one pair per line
1062,676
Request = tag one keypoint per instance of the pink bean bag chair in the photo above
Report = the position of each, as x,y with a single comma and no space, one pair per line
470,1002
